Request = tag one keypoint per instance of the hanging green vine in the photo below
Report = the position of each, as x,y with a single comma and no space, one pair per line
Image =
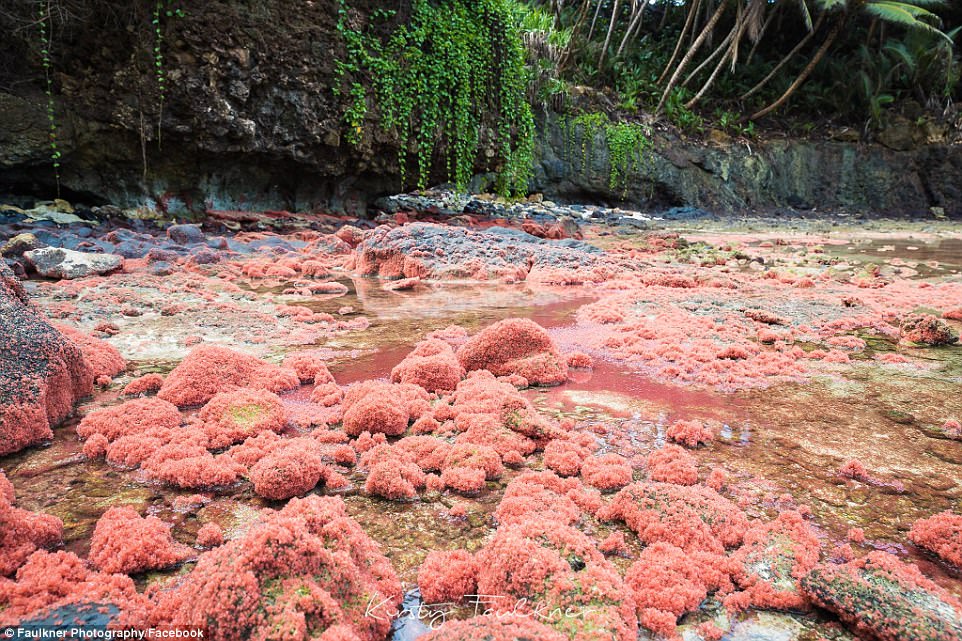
452,81
162,9
45,32
627,144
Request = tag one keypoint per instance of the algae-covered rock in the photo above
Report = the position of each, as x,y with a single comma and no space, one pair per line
883,598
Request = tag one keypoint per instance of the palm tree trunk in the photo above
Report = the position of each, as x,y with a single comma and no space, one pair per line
691,53
611,29
802,77
791,54
707,61
681,38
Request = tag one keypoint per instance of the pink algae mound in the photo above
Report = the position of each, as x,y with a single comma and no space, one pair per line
123,542
208,370
515,346
143,385
310,367
292,469
614,545
606,472
96,446
431,365
942,534
210,535
49,581
854,469
308,569
382,408
672,464
773,558
189,466
22,532
545,567
327,394
101,357
925,329
693,518
667,582
565,457
446,576
231,417
393,473
580,360
690,433
130,418
540,495
495,627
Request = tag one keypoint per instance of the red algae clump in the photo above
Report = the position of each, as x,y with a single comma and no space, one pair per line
210,535
208,370
382,408
101,357
143,385
942,534
130,418
690,433
672,464
447,576
925,329
308,569
431,365
231,417
50,581
606,472
22,532
515,346
693,518
293,469
123,542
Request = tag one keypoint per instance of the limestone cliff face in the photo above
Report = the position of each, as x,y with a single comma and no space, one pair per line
250,120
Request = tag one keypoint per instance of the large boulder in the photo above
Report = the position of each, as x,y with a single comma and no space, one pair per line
42,373
56,262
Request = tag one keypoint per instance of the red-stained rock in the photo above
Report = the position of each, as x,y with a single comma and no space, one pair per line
130,418
143,385
672,464
42,374
942,534
495,627
690,433
293,469
209,370
58,581
925,329
231,417
101,357
22,532
123,542
543,564
431,365
606,472
773,558
308,569
515,346
692,518
446,576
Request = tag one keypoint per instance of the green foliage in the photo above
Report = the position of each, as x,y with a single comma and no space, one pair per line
45,41
627,143
680,115
452,81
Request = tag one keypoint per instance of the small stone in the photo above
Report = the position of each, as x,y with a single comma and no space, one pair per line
16,246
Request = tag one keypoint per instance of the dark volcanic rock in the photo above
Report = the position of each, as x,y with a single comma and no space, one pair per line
42,373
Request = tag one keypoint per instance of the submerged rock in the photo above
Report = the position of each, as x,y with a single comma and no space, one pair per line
883,598
55,262
42,374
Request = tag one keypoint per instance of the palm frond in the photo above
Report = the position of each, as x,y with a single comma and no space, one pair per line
905,14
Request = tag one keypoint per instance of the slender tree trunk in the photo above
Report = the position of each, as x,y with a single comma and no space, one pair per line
802,77
611,30
791,54
761,34
707,61
632,26
681,38
594,20
691,53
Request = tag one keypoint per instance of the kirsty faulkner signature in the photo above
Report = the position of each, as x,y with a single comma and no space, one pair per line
435,615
